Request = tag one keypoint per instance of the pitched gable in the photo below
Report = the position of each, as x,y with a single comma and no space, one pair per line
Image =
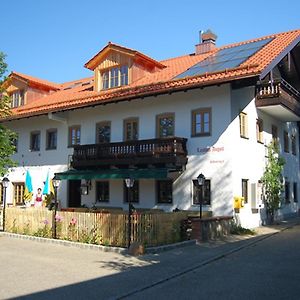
108,63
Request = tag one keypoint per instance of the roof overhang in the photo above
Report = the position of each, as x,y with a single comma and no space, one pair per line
125,94
278,58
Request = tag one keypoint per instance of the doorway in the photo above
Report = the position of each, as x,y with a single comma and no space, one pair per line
74,195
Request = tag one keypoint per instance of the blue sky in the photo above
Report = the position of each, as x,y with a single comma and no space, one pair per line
53,39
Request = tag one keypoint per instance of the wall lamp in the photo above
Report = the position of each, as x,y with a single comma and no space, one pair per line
85,187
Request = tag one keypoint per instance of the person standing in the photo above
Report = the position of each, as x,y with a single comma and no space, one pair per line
38,201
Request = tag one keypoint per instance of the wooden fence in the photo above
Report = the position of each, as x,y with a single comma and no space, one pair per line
110,229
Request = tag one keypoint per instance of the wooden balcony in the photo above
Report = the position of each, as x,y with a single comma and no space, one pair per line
166,152
279,99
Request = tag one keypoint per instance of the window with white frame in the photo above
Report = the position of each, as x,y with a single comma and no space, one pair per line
17,98
114,77
201,122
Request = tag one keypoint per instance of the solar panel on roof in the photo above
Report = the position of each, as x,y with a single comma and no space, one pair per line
227,58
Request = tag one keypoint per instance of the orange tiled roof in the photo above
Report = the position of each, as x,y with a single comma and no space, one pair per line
78,82
35,80
163,80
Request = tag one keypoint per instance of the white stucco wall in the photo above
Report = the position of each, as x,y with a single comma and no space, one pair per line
224,157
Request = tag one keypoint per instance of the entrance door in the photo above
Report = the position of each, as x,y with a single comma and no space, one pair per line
74,199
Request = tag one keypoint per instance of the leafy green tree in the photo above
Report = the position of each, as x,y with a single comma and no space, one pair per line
7,137
272,180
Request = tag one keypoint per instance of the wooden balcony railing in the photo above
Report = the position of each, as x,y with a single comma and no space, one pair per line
274,89
152,151
279,94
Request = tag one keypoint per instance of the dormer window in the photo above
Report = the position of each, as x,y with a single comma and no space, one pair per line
114,77
116,66
17,98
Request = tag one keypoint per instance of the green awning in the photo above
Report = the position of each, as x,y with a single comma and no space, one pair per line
114,174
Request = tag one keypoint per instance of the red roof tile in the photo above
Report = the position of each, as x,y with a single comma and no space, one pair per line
31,79
163,80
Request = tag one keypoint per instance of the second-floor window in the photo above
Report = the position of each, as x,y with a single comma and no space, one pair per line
165,125
51,139
286,144
243,125
103,130
293,138
14,142
114,77
259,131
131,129
274,133
35,141
74,135
17,98
201,122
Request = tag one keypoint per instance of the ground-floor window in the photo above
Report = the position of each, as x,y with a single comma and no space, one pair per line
134,192
198,195
287,192
295,192
19,188
1,193
245,190
164,190
102,191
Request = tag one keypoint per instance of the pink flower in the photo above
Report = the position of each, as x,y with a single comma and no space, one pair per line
58,218
46,222
73,221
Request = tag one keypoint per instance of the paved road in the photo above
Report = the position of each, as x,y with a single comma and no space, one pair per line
269,269
234,269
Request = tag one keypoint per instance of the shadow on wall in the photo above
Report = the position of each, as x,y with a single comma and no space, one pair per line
221,185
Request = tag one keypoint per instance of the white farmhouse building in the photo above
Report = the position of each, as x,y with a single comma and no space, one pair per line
163,123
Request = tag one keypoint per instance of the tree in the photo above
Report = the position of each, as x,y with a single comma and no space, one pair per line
7,137
272,181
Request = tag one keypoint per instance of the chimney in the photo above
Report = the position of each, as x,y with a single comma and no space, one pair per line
207,42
